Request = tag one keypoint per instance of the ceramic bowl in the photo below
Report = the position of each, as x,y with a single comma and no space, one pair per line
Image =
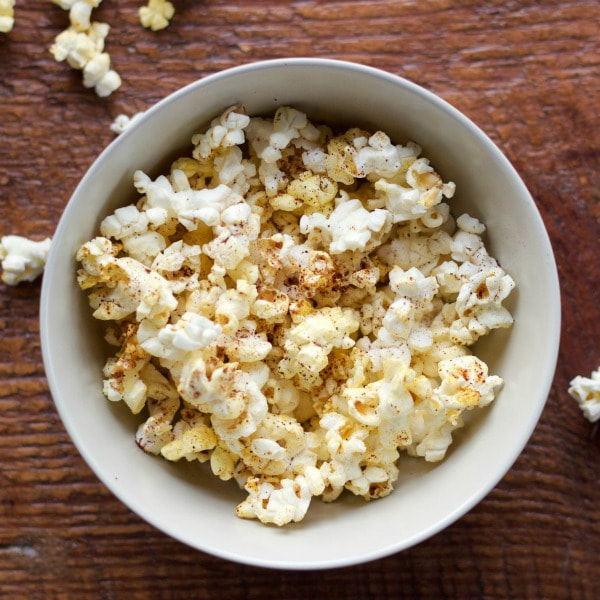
185,500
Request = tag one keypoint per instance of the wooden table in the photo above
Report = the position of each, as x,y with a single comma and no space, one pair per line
526,71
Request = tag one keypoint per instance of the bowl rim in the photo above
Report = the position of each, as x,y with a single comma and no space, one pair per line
546,377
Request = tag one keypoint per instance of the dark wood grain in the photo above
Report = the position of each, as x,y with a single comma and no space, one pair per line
527,72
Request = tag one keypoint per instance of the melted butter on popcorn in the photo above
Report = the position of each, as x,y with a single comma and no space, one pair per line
296,308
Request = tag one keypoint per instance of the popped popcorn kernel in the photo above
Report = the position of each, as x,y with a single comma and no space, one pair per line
82,46
157,14
7,14
586,391
22,258
294,307
123,122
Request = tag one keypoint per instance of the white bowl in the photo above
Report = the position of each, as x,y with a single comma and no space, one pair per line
184,500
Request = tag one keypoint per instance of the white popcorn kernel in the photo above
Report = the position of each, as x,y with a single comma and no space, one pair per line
123,122
259,133
275,501
80,13
315,160
465,246
123,285
265,448
470,224
379,157
123,222
173,342
225,131
586,391
192,442
310,342
245,345
7,13
435,444
465,383
122,374
157,14
349,227
22,258
82,45
144,247
287,124
163,403
107,84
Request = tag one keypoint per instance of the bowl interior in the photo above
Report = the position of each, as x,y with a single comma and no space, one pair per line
184,500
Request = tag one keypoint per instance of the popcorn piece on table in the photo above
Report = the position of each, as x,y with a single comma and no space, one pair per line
82,45
123,122
7,13
22,258
157,14
80,12
586,391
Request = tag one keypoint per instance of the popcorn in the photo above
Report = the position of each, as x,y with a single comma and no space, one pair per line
316,191
124,222
22,258
190,444
465,383
174,341
225,131
246,345
310,342
378,157
123,285
296,310
82,45
586,391
123,122
123,374
470,224
349,227
157,14
275,501
7,15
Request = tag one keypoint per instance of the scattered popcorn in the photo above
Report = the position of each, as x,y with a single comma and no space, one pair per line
123,122
82,46
586,390
22,259
7,12
295,307
157,14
